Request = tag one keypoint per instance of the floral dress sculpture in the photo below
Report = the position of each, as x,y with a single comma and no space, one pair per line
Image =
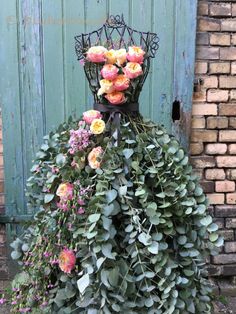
121,223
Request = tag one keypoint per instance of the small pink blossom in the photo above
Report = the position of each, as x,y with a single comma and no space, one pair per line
3,300
81,202
81,211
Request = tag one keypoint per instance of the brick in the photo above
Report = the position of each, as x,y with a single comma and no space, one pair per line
216,198
204,136
227,81
220,222
220,9
217,95
233,39
215,174
203,162
198,123
233,9
228,53
225,211
230,247
225,186
231,199
230,223
224,259
199,96
216,149
233,95
226,161
232,122
208,186
227,234
208,24
233,68
204,109
202,8
232,149
228,25
219,67
228,270
228,109
231,174
201,68
217,123
219,39
227,136
209,53
202,39
196,148
210,81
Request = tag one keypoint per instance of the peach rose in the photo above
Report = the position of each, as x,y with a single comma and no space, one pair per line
93,157
67,260
109,72
135,54
116,98
65,191
97,126
96,54
106,87
121,83
132,70
120,57
110,56
90,115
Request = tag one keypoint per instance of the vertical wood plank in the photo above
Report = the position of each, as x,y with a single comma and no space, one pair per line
163,65
74,74
185,20
141,21
30,81
11,109
53,63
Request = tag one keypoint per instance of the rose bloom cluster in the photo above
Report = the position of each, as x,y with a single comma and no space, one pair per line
120,67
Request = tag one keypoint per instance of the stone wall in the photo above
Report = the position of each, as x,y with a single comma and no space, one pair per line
213,138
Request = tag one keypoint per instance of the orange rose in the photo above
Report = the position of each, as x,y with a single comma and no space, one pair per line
121,83
93,157
116,98
97,126
67,261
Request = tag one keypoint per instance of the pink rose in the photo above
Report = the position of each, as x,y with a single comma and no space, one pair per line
96,54
109,72
116,98
135,54
121,83
90,115
132,70
67,260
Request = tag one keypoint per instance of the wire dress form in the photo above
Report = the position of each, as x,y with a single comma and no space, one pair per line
115,34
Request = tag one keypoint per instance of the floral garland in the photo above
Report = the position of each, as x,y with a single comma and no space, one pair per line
120,229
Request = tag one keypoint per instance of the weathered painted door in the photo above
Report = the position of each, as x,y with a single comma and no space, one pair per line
42,84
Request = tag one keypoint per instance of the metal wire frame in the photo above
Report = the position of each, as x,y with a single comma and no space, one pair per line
115,34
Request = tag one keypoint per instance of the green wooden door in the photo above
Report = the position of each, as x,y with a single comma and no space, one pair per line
42,84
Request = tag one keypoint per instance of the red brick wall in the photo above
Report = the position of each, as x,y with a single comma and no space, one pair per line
213,138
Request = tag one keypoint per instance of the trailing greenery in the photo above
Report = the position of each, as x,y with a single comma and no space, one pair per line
141,239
